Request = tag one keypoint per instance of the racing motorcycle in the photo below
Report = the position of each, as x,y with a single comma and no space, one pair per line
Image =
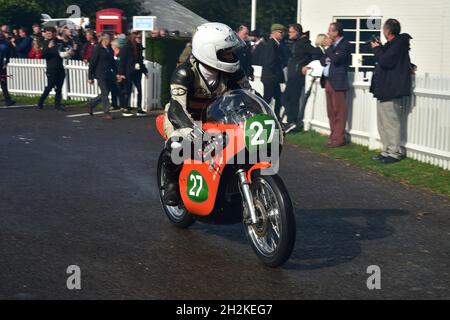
238,176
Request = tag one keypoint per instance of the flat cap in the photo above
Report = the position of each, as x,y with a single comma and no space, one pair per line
277,27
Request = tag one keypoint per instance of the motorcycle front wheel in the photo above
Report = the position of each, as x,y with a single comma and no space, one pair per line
273,238
178,216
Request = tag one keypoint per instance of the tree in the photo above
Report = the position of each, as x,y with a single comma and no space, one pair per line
238,12
19,13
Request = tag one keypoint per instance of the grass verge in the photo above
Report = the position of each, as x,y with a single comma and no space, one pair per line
409,172
26,100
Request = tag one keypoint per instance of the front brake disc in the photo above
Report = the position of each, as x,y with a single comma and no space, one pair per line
263,220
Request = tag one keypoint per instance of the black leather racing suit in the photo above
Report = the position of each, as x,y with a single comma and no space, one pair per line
190,95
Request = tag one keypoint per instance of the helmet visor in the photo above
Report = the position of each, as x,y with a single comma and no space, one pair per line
228,55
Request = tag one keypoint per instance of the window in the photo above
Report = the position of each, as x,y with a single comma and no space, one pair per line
108,27
359,31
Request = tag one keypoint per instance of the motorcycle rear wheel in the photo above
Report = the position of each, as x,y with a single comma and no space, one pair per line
273,239
178,216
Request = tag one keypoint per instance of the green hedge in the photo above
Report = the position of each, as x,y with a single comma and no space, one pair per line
166,52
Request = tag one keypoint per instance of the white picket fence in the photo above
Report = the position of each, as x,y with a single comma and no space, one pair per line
426,117
29,79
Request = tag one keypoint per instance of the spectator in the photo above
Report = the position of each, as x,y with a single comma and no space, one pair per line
67,48
102,67
163,33
301,55
23,44
392,80
272,72
36,49
322,43
119,92
15,33
155,33
122,40
91,42
4,60
8,37
55,68
5,31
132,68
37,31
175,34
257,48
335,81
245,53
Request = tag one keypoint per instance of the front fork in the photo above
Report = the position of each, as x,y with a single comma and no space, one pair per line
244,185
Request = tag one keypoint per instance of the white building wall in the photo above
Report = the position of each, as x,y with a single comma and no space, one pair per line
426,21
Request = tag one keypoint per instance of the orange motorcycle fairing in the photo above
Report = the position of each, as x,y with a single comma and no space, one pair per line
199,181
160,126
258,166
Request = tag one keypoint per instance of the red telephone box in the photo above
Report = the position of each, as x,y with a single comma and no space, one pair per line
111,20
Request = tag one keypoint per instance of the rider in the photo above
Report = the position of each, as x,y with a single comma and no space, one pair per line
212,70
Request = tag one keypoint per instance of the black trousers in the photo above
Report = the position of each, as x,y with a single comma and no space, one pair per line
4,84
55,80
107,86
119,93
272,89
291,99
136,80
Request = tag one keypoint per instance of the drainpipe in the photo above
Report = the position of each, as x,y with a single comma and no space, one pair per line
299,11
254,5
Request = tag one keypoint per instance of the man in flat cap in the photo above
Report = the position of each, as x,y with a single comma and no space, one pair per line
273,63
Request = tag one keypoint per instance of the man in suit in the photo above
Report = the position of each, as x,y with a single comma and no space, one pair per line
257,47
336,61
55,68
245,53
273,63
103,67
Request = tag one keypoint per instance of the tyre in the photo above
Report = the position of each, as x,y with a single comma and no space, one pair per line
273,239
178,216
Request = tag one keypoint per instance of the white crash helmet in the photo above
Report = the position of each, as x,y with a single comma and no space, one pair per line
210,40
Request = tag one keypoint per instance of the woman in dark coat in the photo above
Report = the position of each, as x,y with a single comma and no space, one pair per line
301,55
131,69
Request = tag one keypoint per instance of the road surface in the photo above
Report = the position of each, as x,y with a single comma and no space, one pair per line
82,191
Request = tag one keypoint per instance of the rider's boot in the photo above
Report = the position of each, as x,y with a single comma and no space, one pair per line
171,174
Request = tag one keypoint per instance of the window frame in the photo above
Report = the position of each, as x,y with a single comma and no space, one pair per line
357,56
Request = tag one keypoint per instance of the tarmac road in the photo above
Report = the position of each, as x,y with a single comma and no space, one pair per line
82,191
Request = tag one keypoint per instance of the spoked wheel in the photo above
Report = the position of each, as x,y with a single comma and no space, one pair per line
273,238
178,216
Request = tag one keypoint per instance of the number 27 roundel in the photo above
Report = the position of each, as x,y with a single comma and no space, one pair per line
259,131
197,188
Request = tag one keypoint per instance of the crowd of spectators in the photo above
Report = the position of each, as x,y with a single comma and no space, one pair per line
24,43
115,61
288,54
71,42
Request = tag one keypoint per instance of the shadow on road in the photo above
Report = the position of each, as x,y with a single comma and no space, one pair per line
325,237
329,237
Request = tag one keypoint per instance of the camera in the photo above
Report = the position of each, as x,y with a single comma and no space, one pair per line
374,38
